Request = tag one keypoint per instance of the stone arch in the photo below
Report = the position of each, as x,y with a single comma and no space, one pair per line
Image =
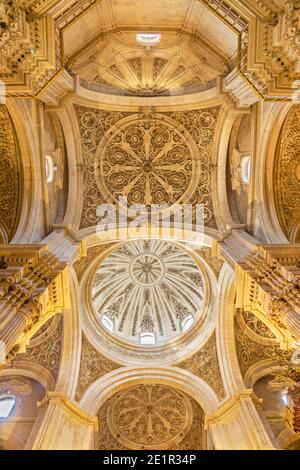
124,378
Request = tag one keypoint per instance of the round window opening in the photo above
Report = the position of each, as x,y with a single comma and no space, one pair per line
147,292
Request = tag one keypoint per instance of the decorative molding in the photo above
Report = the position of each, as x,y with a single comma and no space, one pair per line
241,92
57,89
214,263
268,281
33,287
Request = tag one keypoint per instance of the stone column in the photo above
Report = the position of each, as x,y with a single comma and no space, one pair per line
62,425
32,288
64,244
266,277
237,425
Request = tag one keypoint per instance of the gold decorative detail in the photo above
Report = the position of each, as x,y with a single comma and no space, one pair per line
31,290
270,280
30,50
287,185
136,65
205,364
9,176
158,66
93,125
182,56
256,325
250,352
92,366
149,416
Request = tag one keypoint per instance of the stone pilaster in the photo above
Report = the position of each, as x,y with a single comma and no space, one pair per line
237,425
62,425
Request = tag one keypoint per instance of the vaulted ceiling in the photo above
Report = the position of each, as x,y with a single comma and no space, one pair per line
195,46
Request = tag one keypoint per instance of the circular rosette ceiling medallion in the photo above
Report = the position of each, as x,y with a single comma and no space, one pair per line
151,161
147,292
150,417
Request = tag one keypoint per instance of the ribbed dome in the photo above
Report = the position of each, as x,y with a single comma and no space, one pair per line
151,289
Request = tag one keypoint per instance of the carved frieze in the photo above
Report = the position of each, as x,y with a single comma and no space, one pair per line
33,287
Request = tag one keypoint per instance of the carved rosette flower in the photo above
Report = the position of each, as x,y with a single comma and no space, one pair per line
149,416
149,161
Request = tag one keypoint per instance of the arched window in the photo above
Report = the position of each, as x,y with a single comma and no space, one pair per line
6,405
147,337
50,168
246,169
107,323
187,322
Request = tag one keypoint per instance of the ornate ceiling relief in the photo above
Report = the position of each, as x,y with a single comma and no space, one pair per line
150,417
214,263
287,176
255,324
250,352
147,286
30,48
9,177
149,161
181,63
201,126
93,125
205,364
92,252
45,347
92,366
154,159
